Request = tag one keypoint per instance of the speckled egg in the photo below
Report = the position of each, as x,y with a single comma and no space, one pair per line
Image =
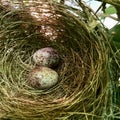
46,57
42,77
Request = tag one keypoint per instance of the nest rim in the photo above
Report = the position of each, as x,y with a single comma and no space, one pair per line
21,95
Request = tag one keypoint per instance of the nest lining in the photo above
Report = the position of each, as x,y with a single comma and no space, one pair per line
83,75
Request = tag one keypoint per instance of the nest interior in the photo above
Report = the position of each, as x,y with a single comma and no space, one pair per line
83,50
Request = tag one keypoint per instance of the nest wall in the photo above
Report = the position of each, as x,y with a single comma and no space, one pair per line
83,69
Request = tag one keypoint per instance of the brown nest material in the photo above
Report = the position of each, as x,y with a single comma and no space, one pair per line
80,40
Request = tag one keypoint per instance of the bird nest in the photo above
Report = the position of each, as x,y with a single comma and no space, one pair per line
83,47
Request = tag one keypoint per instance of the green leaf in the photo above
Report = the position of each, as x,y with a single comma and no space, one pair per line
115,32
117,44
110,10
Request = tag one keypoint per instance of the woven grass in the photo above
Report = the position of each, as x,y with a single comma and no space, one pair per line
79,38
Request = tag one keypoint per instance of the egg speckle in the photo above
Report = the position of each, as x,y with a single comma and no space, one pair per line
42,77
46,57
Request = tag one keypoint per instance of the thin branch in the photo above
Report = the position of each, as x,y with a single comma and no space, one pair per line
112,17
112,2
